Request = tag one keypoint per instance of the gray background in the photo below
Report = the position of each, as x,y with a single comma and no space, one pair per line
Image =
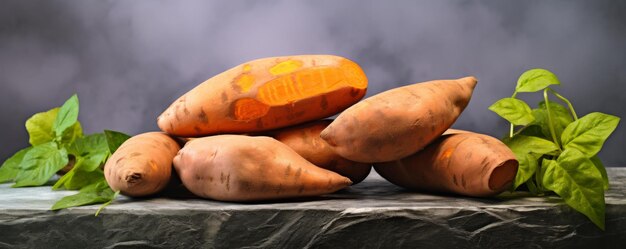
127,60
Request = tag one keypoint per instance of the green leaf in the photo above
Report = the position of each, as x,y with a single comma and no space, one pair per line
532,187
588,133
574,177
514,110
10,167
115,139
533,131
526,144
78,178
98,192
525,149
39,127
560,118
72,133
67,116
600,166
107,203
92,149
536,80
83,178
39,164
527,168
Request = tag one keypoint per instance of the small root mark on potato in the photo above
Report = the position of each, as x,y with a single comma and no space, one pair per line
414,95
288,170
183,101
153,165
176,112
301,189
485,168
224,97
324,103
454,180
202,116
228,182
214,155
463,183
134,154
167,145
298,172
133,178
354,92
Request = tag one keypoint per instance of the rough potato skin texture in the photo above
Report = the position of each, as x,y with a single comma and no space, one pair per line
458,162
398,122
266,94
142,165
306,141
242,168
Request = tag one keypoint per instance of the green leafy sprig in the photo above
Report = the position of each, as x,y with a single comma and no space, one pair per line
556,150
57,142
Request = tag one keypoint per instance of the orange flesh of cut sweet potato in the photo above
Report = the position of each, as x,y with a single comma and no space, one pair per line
266,94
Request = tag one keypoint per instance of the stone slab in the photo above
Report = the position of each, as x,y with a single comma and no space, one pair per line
372,214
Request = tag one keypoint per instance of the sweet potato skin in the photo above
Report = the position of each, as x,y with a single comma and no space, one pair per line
266,94
306,141
398,122
459,162
142,165
243,168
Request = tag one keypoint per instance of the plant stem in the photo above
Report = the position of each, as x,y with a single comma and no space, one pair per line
108,202
519,131
569,104
511,130
550,124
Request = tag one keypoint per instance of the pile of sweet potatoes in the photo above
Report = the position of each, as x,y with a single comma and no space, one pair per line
258,132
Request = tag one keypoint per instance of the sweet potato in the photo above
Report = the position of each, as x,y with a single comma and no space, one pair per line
398,122
266,94
243,168
305,140
458,162
142,165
